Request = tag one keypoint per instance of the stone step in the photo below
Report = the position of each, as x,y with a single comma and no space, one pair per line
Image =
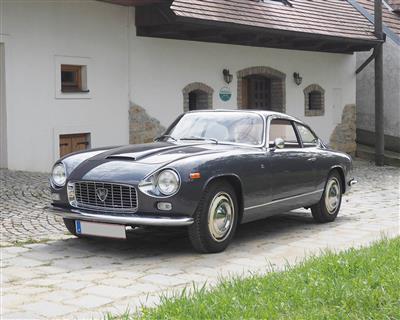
366,152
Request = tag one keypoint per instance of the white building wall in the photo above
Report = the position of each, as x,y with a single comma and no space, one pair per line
161,68
38,31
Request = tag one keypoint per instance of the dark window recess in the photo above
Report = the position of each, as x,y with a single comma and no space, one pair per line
315,100
198,100
74,142
71,78
259,92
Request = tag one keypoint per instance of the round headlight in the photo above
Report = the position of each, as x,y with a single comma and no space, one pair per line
59,175
168,182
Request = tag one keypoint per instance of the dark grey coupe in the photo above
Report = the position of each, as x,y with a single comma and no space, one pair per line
210,171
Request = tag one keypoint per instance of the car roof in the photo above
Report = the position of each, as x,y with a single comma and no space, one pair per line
265,113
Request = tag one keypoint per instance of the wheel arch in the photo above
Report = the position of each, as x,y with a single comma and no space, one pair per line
340,170
236,183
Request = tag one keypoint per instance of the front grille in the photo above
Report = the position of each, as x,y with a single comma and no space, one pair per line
118,197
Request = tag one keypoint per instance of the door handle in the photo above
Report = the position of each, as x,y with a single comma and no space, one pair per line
312,159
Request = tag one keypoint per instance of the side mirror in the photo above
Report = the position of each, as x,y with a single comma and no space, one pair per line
279,143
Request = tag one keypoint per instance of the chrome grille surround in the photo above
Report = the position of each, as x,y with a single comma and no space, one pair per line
120,197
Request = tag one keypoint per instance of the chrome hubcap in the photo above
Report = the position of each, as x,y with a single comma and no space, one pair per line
220,216
332,195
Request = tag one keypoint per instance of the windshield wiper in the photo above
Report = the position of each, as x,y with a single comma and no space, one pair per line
165,136
199,139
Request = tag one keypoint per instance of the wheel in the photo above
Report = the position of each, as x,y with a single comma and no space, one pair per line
215,219
327,209
70,225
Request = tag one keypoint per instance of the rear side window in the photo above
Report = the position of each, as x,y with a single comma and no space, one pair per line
284,129
308,138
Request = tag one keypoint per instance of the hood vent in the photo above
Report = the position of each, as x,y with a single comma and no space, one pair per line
121,157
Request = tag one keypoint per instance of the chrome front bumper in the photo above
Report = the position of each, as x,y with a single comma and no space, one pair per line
352,182
132,220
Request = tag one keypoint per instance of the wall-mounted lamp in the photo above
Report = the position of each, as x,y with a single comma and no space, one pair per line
297,78
227,76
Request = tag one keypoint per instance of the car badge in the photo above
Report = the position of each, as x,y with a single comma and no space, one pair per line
102,194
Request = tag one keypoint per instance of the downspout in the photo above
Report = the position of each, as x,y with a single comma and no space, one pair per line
366,62
379,120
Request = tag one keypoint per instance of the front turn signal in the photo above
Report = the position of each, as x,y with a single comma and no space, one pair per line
195,175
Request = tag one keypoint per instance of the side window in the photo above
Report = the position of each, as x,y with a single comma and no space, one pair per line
308,138
280,128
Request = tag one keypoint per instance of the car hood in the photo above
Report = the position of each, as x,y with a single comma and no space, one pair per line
130,164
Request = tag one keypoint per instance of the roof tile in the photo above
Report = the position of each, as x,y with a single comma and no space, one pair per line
332,18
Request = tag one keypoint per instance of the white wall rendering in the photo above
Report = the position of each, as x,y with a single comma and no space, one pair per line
40,31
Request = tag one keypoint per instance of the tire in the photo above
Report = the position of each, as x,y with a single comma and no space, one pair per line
70,225
327,209
210,235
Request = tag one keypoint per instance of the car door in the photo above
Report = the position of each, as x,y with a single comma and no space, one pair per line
290,168
311,145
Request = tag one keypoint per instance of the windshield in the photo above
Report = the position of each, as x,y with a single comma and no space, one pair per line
231,127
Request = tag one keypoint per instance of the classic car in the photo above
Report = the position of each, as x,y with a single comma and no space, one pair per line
209,172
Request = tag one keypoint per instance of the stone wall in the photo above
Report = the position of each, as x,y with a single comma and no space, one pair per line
343,137
142,127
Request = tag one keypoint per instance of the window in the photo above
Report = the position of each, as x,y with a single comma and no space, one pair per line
198,100
308,138
284,129
72,77
314,100
229,127
74,142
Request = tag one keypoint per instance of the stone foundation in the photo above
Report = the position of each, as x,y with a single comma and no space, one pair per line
343,137
142,127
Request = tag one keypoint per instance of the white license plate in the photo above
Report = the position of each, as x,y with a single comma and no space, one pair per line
100,229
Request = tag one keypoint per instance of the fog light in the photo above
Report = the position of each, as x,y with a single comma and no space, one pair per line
55,197
164,206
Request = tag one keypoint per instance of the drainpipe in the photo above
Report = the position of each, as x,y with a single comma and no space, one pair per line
379,133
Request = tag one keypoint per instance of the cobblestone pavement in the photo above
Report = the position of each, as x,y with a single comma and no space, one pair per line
83,278
23,196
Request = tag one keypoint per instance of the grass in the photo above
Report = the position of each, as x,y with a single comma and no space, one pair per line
355,284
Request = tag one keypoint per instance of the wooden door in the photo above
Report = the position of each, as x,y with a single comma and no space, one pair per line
73,142
259,93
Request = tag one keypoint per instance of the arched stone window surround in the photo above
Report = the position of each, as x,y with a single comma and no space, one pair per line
278,90
197,86
313,112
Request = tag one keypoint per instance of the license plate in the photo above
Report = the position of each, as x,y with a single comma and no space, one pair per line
100,229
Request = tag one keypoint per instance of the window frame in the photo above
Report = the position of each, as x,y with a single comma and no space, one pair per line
86,65
317,144
292,123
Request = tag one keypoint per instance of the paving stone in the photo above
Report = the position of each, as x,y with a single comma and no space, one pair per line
162,280
49,309
109,291
89,301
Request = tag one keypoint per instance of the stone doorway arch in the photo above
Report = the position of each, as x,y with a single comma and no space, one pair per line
261,88
197,96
